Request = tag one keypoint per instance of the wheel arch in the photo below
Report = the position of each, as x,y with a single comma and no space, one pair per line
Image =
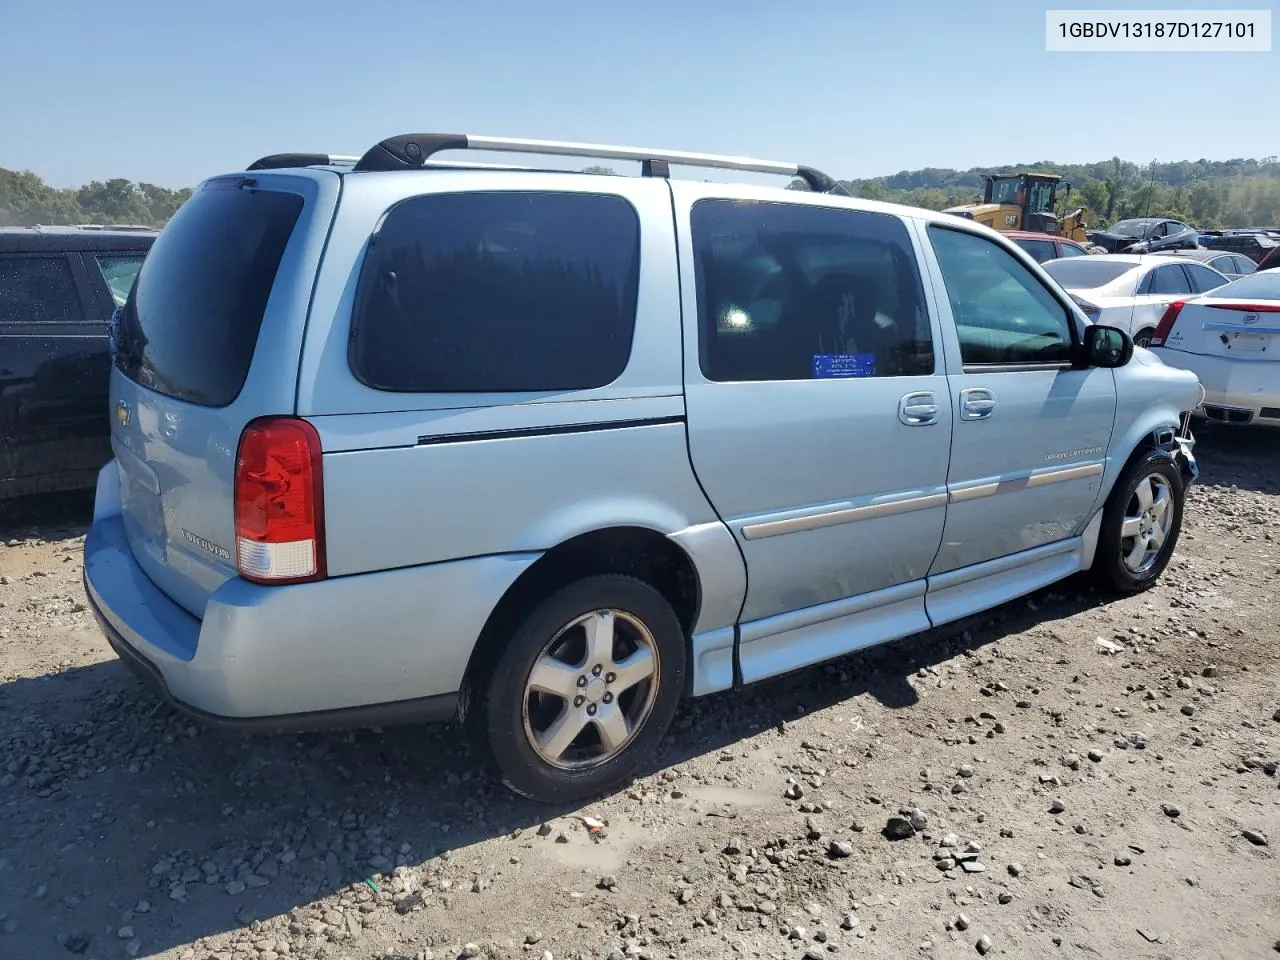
1141,329
636,551
1160,433
1158,430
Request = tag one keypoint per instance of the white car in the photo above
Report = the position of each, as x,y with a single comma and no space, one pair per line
1130,290
1230,339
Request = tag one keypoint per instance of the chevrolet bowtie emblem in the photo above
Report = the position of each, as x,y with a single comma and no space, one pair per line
122,413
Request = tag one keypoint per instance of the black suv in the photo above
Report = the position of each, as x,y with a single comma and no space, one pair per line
58,288
1255,246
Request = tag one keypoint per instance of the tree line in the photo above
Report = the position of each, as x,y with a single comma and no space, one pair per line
26,200
1211,194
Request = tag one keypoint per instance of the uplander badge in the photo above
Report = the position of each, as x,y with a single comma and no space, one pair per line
204,544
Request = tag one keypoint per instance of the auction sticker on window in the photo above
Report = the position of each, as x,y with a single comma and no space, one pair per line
837,365
1158,31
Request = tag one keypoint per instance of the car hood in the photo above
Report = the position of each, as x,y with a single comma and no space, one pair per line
1113,236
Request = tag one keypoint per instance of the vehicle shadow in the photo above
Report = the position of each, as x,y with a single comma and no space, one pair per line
47,515
1246,458
216,830
109,797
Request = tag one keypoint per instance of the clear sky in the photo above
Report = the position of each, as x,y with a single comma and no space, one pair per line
170,91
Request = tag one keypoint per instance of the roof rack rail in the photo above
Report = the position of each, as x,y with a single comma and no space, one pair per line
279,161
410,151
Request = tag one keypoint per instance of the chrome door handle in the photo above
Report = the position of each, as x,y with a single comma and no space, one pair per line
976,404
918,409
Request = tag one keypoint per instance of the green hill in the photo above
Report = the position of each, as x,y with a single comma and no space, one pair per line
1208,193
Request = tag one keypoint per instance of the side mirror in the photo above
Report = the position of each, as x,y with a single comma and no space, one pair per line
1107,347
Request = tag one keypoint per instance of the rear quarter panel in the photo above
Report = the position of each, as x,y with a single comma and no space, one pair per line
408,478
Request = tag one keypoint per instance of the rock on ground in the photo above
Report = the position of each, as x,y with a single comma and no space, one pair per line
128,829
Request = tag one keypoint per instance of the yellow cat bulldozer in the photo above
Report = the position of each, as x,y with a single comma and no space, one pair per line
1025,201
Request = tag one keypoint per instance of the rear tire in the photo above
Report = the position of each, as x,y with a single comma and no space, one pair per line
584,691
1138,534
1143,337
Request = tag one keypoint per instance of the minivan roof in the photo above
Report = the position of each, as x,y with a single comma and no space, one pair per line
446,168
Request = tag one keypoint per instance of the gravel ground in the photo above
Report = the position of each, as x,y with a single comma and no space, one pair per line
1066,776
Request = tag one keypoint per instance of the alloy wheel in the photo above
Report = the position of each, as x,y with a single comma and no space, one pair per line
1148,519
591,689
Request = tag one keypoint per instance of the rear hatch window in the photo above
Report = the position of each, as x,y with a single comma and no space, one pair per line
191,323
1263,287
1086,273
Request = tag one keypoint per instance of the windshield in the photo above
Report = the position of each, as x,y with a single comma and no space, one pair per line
1005,190
1131,228
1086,273
1257,286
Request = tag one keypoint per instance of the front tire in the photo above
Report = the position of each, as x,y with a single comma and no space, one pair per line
1140,524
584,691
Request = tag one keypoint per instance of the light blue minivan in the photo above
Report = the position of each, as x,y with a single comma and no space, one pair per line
401,439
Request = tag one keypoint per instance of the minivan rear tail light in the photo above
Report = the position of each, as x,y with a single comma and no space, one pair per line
279,502
1165,326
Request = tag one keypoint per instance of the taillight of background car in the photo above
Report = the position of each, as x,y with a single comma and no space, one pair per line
1165,326
1092,311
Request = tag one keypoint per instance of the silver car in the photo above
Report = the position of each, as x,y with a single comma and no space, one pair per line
398,439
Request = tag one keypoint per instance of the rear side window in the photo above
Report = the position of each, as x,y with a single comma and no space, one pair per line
498,292
190,325
1169,280
797,292
1202,278
38,290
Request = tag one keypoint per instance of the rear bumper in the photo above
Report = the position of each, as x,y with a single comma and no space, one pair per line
1239,392
368,650
440,708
